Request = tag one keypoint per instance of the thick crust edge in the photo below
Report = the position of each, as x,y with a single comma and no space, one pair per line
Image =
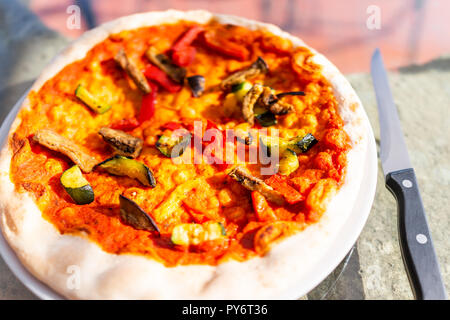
53,258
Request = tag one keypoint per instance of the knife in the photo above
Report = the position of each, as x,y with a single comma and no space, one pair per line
416,245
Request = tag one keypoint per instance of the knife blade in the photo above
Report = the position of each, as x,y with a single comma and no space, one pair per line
417,248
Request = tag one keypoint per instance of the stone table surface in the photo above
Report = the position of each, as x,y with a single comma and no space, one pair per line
374,268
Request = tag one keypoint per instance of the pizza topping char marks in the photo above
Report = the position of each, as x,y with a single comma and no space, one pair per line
183,213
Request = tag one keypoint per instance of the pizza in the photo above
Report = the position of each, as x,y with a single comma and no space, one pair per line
180,155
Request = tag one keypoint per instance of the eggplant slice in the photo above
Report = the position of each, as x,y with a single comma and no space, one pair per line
56,142
135,216
256,68
123,143
122,166
134,73
255,184
197,85
163,62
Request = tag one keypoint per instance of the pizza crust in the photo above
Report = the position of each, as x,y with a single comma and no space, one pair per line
58,259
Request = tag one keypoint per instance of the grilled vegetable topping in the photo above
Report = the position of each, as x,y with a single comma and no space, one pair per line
256,68
288,162
272,102
121,166
281,108
148,104
182,52
266,119
56,142
160,77
280,183
249,102
163,62
217,42
134,73
298,144
241,89
135,216
290,93
172,146
126,124
186,234
197,85
123,143
77,186
88,99
255,184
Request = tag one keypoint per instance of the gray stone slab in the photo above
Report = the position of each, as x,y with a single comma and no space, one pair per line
422,96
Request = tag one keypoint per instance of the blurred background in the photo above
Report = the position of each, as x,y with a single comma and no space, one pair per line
346,31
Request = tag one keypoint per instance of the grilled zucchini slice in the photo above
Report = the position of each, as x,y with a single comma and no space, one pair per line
186,234
77,186
92,102
173,147
298,144
302,144
241,89
288,162
122,166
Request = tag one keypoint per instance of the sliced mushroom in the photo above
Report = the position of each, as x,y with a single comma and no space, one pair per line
197,85
273,103
255,184
256,68
135,216
249,102
56,142
163,62
134,73
123,143
280,108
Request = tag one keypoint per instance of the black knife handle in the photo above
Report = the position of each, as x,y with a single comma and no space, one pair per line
417,248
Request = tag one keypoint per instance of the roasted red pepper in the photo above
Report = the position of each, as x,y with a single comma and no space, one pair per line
262,209
154,73
183,53
148,104
184,57
280,184
187,38
225,46
125,124
171,126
